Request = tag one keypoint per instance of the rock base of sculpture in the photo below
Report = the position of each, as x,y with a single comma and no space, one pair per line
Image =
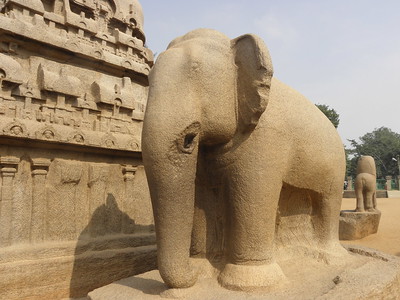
369,274
379,194
72,268
356,225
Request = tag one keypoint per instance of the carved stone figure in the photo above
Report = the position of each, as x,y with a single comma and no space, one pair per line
16,130
219,127
365,184
364,220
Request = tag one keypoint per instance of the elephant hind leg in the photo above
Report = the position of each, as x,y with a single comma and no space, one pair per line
369,201
252,210
326,211
360,199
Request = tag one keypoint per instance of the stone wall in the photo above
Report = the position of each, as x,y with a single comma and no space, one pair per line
75,210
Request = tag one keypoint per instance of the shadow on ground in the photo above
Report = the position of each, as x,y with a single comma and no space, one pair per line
145,285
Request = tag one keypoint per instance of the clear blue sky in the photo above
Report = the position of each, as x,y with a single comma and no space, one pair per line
343,53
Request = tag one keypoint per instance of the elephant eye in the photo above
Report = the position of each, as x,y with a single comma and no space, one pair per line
188,140
188,143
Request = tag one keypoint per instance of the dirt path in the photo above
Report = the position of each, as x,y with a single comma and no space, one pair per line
388,237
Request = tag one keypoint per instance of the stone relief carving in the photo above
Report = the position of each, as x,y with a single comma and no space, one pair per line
133,145
109,141
65,86
65,181
16,129
60,82
73,90
48,133
77,137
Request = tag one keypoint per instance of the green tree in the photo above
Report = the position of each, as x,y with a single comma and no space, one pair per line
351,163
383,145
330,113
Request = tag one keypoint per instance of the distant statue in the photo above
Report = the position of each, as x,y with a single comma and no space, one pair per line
365,184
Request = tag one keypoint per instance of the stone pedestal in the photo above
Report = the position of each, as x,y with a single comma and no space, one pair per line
365,274
356,225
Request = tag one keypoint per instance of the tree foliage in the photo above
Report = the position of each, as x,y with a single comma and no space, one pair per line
330,113
351,162
383,145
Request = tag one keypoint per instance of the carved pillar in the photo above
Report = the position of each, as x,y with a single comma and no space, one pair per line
28,102
129,204
349,183
40,167
60,101
388,183
129,173
8,169
27,112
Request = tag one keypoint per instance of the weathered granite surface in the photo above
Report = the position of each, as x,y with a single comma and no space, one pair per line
75,209
355,225
73,72
235,172
358,279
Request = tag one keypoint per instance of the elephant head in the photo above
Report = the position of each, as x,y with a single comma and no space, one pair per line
205,89
366,164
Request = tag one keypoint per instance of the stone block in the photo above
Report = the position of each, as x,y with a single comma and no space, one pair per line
356,225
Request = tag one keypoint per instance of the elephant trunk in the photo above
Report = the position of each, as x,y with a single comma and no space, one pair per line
174,218
171,176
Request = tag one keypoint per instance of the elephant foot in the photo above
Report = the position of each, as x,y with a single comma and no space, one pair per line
334,254
360,210
371,209
177,276
205,268
183,293
251,277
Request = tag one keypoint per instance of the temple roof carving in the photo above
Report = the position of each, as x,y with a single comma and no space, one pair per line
73,72
100,26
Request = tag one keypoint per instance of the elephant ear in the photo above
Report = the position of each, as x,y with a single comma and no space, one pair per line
254,74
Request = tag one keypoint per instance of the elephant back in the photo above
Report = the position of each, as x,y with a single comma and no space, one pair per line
366,164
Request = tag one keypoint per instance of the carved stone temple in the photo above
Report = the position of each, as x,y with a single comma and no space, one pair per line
75,210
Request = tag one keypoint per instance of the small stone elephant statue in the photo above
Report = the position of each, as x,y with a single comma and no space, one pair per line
365,184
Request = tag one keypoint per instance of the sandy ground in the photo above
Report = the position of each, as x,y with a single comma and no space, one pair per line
387,239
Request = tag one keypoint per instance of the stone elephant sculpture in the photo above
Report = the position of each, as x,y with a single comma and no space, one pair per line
365,184
215,114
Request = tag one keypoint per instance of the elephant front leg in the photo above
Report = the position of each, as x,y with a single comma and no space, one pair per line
250,250
374,200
